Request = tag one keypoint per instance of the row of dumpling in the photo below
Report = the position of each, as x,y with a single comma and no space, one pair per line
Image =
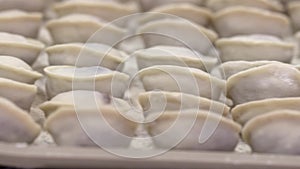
18,88
265,96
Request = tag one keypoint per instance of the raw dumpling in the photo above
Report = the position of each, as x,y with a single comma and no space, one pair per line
21,94
228,22
255,47
269,81
108,11
276,132
147,5
31,5
244,112
187,11
294,11
67,78
182,130
160,101
75,127
16,125
84,28
182,79
18,46
81,98
85,55
227,69
16,69
172,55
272,5
184,33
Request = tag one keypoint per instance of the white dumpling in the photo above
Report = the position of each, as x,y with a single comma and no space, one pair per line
183,33
185,128
294,11
69,127
67,78
85,55
228,22
84,28
31,5
254,48
244,112
16,69
18,46
193,13
17,126
273,5
106,10
19,22
173,55
81,98
227,69
147,5
276,132
182,79
276,80
159,101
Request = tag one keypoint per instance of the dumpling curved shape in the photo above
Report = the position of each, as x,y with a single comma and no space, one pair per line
106,10
84,28
159,101
101,125
269,81
16,69
182,79
170,124
17,125
18,46
228,22
276,132
244,112
19,22
187,11
272,5
254,48
173,55
184,33
67,78
85,55
32,5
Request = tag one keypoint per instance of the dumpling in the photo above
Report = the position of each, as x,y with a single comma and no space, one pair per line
244,112
191,12
254,48
21,94
190,129
19,22
172,55
18,46
147,5
227,69
269,81
182,79
276,132
106,10
32,5
105,127
16,125
160,101
228,22
272,5
16,69
84,28
81,98
67,78
85,55
184,33
294,11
